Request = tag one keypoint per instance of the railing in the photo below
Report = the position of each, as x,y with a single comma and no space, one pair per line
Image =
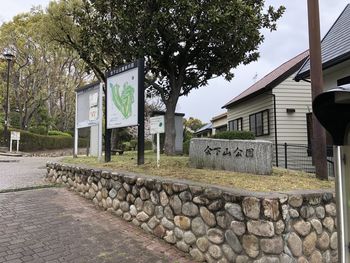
299,157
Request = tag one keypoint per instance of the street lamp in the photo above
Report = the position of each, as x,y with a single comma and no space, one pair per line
9,57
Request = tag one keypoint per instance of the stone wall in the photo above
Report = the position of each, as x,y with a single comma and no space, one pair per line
214,224
247,156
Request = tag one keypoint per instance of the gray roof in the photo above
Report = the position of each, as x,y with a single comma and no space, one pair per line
335,46
208,126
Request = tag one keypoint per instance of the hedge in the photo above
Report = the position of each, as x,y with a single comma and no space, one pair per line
35,142
235,135
59,133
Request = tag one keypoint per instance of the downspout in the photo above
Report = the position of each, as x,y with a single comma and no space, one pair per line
275,124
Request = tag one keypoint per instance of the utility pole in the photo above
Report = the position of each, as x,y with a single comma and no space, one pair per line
319,153
9,57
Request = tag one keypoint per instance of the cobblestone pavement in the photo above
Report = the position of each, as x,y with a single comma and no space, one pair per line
56,225
19,172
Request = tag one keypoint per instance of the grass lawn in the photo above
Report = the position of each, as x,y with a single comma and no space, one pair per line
177,167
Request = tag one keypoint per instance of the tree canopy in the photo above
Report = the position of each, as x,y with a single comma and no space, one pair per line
43,76
185,43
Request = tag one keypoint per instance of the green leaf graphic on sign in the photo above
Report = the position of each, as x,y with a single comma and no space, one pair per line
123,101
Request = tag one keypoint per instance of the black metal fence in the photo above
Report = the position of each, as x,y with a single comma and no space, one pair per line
299,157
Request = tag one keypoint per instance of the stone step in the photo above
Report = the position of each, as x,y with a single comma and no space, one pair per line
3,149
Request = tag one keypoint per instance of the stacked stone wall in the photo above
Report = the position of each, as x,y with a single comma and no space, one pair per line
214,224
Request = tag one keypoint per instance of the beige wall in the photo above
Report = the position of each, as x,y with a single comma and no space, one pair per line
330,76
291,127
219,122
254,105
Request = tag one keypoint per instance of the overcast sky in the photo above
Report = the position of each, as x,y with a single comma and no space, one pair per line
290,39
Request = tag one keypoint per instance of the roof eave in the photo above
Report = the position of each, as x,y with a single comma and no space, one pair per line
268,87
326,65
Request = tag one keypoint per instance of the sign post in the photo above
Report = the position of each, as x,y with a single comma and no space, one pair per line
125,101
15,136
157,127
89,114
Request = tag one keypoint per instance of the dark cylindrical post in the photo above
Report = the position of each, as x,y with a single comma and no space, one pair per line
275,124
7,105
285,155
108,132
141,114
319,135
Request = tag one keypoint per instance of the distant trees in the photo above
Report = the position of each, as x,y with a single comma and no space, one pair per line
193,123
43,75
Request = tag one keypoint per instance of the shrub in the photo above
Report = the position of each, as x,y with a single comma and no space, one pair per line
34,142
133,144
148,145
126,146
58,133
235,135
186,147
42,130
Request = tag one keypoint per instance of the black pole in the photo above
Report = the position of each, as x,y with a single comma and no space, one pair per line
275,120
7,105
141,114
108,132
285,156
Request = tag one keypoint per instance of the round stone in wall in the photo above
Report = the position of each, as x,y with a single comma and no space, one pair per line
215,236
189,237
198,226
309,244
208,217
251,245
272,246
233,241
251,207
323,241
189,209
164,200
215,251
176,204
197,255
234,210
295,201
295,244
149,207
302,228
202,243
182,222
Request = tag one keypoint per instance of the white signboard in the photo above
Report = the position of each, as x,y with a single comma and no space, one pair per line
93,109
15,136
122,98
157,124
88,106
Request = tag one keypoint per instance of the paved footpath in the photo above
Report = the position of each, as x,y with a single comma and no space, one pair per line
56,225
19,172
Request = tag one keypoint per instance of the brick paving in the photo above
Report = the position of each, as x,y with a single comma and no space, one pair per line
56,225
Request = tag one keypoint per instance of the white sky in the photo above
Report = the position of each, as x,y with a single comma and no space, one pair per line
290,39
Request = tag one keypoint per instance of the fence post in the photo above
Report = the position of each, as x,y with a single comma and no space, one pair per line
285,156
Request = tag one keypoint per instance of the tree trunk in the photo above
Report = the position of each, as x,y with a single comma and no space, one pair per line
170,132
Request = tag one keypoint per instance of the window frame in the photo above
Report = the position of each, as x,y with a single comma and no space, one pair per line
253,118
238,122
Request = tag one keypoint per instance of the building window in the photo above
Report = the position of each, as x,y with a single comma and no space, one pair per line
235,125
259,123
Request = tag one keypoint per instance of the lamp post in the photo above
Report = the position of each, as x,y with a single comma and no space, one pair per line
9,57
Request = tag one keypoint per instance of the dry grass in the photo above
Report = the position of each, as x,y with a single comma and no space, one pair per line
177,167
